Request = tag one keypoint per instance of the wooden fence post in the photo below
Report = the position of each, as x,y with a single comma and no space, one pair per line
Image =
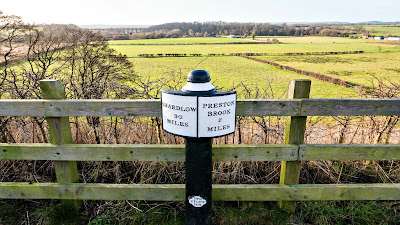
294,134
60,133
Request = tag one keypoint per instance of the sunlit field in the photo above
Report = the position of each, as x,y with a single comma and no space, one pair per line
384,29
287,45
379,60
357,68
181,41
227,71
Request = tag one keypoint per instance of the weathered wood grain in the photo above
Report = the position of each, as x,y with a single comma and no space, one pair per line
306,192
137,152
294,134
176,192
349,152
260,152
93,191
268,107
221,153
59,108
140,107
60,133
350,107
245,107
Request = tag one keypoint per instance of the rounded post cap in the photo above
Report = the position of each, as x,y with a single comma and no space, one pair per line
198,76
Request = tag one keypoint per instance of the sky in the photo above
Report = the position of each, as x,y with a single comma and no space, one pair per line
152,12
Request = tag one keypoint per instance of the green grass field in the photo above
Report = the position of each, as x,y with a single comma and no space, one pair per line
182,41
227,71
379,60
378,30
316,39
356,68
289,44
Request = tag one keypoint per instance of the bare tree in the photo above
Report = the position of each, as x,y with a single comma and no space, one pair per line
384,89
95,71
80,58
10,27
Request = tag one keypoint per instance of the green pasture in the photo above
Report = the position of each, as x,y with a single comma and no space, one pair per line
314,39
356,68
379,30
229,71
289,44
379,60
181,41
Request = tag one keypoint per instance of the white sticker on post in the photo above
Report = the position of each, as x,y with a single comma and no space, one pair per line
179,114
217,115
197,201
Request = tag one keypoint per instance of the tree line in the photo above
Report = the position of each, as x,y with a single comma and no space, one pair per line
198,29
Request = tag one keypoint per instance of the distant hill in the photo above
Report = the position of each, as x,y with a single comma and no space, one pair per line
374,22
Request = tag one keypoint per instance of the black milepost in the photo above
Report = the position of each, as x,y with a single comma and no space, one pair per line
182,110
198,180
199,76
198,164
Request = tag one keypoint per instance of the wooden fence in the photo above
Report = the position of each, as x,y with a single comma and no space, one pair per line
65,154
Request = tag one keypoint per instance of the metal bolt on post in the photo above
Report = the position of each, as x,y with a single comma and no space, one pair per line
198,113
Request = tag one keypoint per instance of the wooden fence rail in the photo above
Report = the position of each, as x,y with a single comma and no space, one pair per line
245,107
176,192
221,153
62,151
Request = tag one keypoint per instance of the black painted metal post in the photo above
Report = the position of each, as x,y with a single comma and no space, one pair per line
198,181
198,113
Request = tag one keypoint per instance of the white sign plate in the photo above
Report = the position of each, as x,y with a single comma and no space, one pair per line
194,116
179,114
197,201
217,115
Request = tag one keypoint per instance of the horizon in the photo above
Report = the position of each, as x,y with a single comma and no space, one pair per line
119,26
318,22
127,13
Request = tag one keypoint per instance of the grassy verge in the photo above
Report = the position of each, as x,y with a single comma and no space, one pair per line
124,212
350,212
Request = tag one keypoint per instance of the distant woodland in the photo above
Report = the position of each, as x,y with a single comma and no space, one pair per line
263,29
215,29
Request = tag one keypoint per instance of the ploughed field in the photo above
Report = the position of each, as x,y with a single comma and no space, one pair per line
159,57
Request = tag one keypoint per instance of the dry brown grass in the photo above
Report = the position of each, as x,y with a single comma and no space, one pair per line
320,130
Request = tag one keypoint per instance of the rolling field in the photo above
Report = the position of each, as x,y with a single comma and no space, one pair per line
227,71
181,41
317,40
378,60
384,29
289,44
356,68
285,47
